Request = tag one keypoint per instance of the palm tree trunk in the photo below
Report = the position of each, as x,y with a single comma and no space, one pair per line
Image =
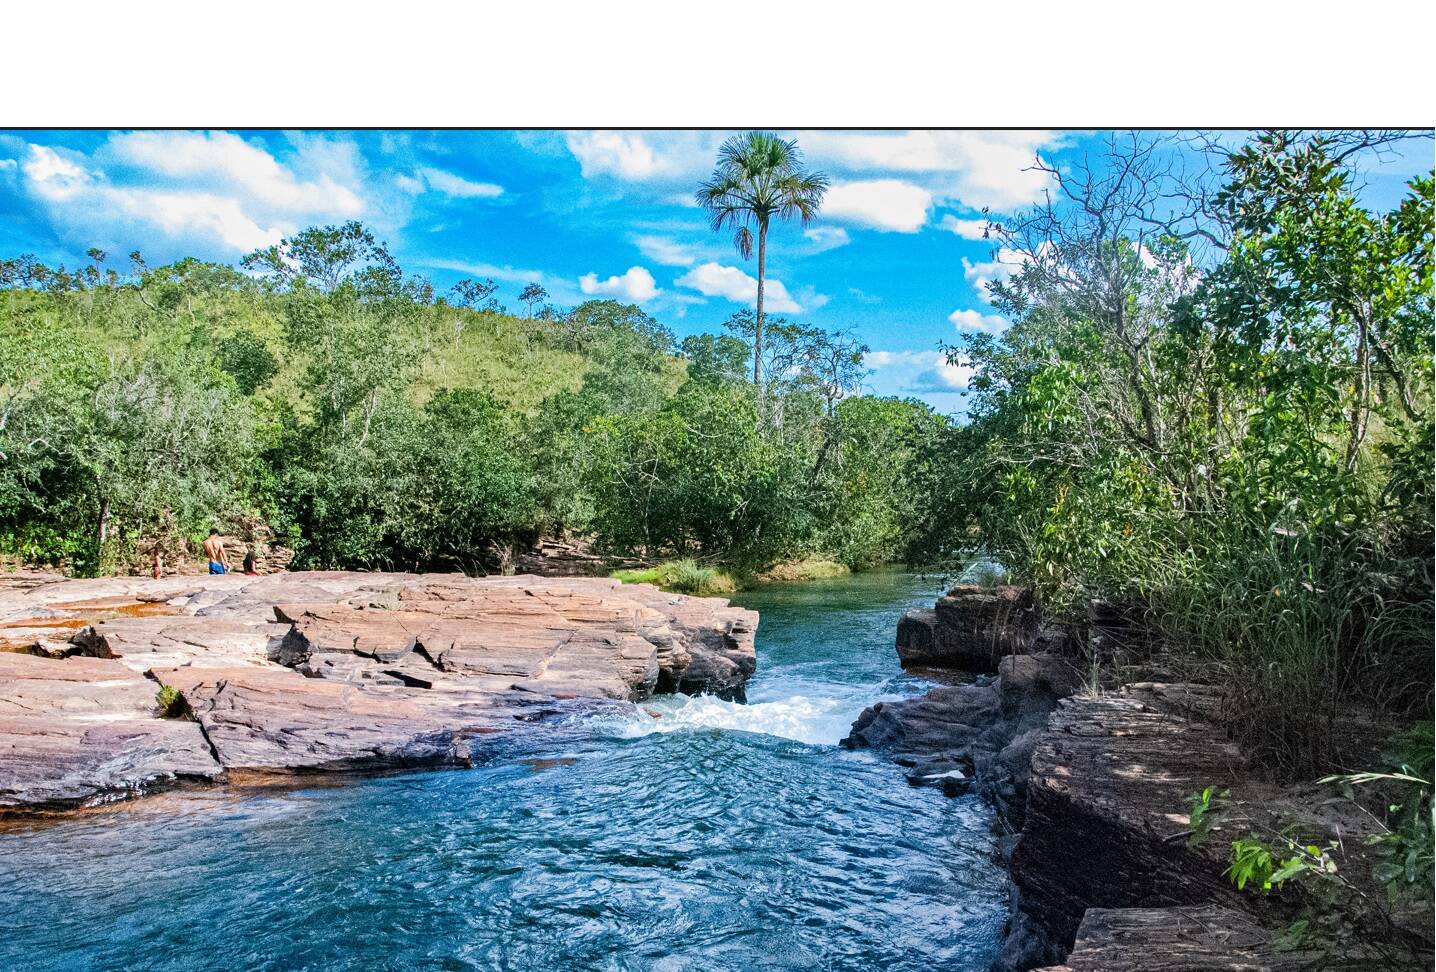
758,321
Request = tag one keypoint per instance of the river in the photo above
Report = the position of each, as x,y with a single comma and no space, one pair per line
705,835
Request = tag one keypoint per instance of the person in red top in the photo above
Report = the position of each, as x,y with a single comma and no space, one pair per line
249,564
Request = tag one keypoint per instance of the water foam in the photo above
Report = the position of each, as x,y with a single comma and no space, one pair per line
818,720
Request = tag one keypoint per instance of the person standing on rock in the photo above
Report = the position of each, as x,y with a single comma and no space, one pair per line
214,550
248,565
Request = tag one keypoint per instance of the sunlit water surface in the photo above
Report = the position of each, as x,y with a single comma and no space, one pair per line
716,836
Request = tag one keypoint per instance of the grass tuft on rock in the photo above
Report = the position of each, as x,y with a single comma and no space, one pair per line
172,703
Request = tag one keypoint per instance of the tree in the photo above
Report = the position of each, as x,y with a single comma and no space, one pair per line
246,358
533,294
759,176
325,257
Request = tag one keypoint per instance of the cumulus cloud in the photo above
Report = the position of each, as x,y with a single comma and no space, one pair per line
665,251
214,193
716,280
882,204
643,156
223,159
635,284
968,229
67,186
971,320
929,370
980,168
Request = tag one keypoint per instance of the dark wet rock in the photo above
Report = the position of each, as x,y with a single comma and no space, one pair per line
988,727
970,629
1179,939
1106,821
79,731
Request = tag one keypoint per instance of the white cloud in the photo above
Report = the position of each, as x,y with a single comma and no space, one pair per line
930,370
635,284
971,320
223,159
979,168
968,229
716,280
643,156
1000,267
823,238
210,193
68,187
882,204
667,252
452,185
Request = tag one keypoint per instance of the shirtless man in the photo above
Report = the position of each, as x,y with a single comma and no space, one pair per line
214,549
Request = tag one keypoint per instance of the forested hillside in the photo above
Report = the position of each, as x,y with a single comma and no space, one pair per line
377,423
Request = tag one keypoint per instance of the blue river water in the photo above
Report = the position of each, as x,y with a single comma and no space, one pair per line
715,836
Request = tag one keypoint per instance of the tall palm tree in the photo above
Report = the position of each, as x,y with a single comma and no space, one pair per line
759,176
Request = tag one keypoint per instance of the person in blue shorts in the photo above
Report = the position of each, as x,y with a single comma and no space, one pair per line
214,550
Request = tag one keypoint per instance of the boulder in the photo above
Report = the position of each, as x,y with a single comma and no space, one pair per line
988,727
1106,822
1203,938
970,629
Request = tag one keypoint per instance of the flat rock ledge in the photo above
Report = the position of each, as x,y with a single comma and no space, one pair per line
1092,785
321,671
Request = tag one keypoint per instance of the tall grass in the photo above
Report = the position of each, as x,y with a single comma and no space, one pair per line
1309,632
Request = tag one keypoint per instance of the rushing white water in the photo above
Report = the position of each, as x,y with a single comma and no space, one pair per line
818,720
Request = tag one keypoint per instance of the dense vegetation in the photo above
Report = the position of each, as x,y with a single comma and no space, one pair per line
376,423
1214,408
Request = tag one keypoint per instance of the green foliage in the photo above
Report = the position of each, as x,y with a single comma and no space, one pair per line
246,358
685,576
172,703
1404,851
1241,451
377,426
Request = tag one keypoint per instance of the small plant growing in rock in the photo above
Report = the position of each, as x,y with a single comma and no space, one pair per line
172,703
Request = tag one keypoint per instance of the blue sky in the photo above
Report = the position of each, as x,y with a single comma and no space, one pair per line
897,256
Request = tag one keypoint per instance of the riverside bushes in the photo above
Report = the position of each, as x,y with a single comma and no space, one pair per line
1221,417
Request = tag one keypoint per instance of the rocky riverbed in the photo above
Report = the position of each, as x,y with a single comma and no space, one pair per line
1092,776
321,671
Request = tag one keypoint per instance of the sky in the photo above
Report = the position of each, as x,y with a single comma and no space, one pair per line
896,257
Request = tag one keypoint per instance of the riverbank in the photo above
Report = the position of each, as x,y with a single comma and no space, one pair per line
1093,775
116,687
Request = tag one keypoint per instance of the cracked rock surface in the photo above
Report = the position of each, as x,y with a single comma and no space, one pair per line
316,671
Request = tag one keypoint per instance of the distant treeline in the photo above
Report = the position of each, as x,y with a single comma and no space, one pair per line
377,423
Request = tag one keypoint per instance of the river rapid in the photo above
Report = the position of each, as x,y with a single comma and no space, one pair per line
684,834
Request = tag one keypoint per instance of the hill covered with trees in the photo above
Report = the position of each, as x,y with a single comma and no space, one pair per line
377,423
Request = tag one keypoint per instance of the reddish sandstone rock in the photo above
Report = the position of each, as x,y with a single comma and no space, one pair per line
327,670
78,731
